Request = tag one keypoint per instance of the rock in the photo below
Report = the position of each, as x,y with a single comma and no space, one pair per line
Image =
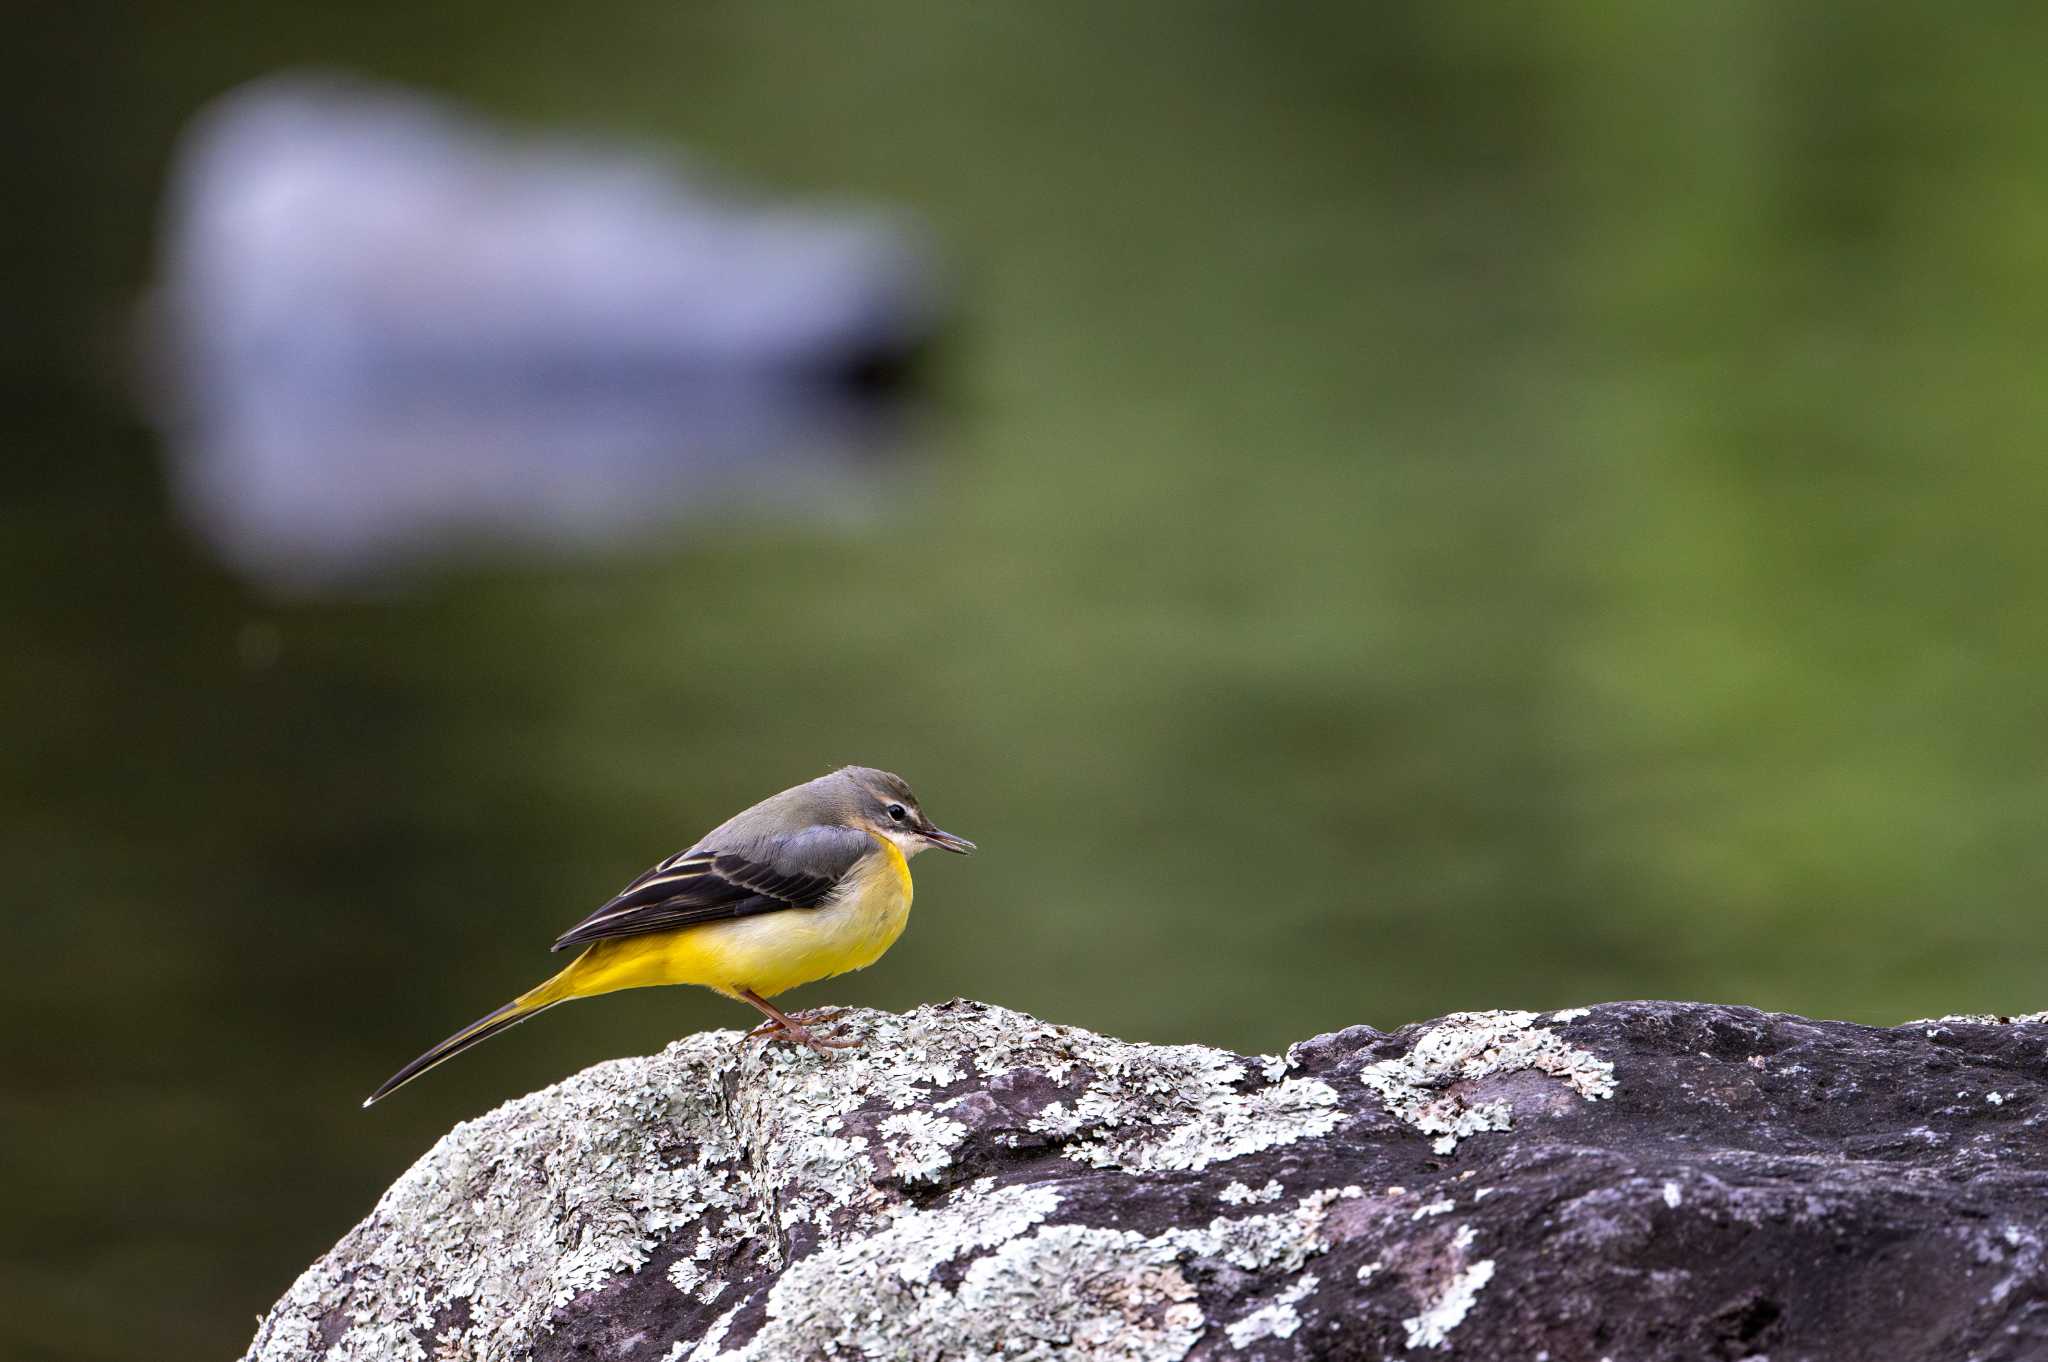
1633,1181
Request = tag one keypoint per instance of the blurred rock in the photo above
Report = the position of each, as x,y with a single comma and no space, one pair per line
384,332
1638,1180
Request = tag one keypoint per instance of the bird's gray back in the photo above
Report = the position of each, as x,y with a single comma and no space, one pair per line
826,801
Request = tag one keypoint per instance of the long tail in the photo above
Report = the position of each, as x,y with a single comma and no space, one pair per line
531,1003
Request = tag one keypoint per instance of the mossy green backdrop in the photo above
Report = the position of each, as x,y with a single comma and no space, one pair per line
1429,507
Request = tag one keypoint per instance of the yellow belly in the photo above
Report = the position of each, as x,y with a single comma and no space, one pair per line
769,954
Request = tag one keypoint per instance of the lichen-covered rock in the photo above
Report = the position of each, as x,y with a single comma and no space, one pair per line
1634,1181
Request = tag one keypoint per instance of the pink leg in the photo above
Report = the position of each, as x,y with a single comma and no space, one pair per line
781,1026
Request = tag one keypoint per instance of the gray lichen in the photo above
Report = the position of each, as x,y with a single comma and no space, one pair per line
1276,1319
1237,1194
521,1211
1983,1019
1417,1087
1182,1108
1432,1328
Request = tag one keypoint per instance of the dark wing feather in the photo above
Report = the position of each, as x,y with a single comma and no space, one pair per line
765,875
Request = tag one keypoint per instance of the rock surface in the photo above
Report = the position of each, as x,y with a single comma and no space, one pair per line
1630,1182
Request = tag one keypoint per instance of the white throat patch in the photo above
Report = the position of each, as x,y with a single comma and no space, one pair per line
907,842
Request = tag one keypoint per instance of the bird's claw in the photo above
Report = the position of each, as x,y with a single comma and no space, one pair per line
825,1045
801,1034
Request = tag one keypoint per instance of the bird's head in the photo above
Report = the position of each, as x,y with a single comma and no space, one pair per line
884,804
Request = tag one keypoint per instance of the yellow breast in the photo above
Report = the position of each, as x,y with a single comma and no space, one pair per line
769,954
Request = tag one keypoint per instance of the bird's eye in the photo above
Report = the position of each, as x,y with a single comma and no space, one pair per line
896,812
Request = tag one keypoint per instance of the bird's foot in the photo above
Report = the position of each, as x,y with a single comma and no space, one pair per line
800,1034
815,1016
824,1045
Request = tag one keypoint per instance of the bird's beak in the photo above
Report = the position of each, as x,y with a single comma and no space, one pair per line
939,837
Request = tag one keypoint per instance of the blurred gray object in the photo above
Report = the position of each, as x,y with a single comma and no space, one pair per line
385,333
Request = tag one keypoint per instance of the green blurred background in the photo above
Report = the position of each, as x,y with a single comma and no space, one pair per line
1437,507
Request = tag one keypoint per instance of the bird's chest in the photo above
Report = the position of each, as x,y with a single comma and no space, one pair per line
869,913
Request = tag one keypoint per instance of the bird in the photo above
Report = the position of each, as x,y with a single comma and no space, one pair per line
806,884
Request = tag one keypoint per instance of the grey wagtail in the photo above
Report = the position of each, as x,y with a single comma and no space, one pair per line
806,884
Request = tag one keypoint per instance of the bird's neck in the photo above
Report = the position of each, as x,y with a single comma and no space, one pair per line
895,857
